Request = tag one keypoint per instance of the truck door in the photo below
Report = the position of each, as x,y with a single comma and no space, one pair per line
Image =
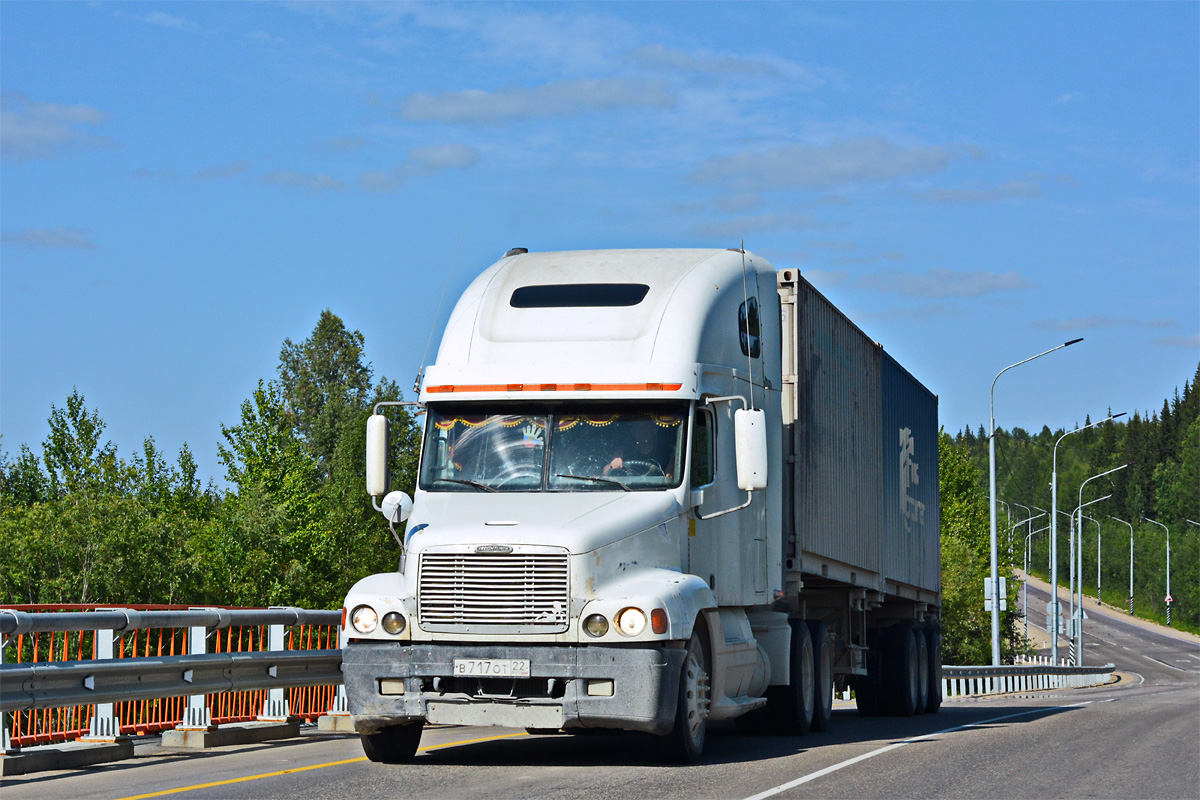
727,550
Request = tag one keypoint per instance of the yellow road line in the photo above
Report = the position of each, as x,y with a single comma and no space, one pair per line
313,766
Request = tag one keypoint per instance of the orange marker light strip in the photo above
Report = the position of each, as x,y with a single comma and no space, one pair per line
555,387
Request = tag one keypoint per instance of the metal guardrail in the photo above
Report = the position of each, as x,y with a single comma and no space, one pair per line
25,687
128,619
1031,676
54,692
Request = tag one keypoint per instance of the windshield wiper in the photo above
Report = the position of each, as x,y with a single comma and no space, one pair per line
596,479
476,484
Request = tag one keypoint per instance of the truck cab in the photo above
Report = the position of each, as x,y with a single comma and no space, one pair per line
597,534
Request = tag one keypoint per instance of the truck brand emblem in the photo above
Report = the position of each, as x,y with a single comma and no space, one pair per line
493,548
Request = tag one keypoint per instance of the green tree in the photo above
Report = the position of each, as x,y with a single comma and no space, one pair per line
324,383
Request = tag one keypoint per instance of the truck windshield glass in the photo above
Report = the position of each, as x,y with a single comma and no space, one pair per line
586,447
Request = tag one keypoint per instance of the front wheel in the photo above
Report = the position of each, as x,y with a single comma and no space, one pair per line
685,742
395,745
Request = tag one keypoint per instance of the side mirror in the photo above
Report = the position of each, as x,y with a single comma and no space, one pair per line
396,506
750,448
377,453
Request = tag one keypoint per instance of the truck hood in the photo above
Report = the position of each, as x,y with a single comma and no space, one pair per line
578,521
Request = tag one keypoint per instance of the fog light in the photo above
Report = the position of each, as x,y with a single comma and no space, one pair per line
596,625
631,621
364,619
394,623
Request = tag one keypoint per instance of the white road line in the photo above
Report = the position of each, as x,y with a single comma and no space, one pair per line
852,761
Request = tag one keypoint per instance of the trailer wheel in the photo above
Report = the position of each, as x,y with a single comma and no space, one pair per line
395,745
791,706
933,647
685,743
868,689
922,670
900,672
822,675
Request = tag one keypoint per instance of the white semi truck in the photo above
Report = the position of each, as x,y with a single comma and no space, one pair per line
657,489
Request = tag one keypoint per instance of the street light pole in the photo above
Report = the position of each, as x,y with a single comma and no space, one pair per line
1078,635
1054,527
1099,598
1077,623
1028,517
995,575
1130,524
1169,598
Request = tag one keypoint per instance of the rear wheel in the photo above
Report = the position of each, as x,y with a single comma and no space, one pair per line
900,671
685,742
868,689
933,647
395,745
822,675
791,706
922,670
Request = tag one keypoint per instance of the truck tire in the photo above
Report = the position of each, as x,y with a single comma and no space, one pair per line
922,670
822,675
868,689
899,672
395,745
791,706
685,743
933,646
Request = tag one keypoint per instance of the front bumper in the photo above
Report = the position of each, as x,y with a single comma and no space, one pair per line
420,684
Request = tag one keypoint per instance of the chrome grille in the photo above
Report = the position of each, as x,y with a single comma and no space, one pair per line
493,593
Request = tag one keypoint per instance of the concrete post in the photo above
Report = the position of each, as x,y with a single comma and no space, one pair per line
104,727
275,706
196,716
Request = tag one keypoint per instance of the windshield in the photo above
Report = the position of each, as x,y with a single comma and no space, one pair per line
562,448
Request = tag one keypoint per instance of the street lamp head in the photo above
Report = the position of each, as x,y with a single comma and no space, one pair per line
1073,341
1114,416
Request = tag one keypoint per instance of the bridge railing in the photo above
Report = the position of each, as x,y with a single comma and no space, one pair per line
1033,675
68,674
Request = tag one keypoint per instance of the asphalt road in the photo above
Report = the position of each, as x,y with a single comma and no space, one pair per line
1137,738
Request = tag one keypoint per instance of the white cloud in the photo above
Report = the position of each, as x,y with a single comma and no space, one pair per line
31,130
760,223
1189,342
824,278
1099,321
420,161
1068,97
564,98
160,175
340,144
314,182
1011,189
227,170
944,283
170,21
56,238
858,160
919,313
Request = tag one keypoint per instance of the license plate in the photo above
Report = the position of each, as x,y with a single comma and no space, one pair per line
492,667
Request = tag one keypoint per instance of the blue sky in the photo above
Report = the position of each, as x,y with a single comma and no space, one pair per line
184,185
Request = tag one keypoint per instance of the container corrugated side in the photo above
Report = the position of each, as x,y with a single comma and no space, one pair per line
837,478
911,514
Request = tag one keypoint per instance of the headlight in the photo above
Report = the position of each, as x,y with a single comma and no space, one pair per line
394,623
596,625
631,621
364,619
